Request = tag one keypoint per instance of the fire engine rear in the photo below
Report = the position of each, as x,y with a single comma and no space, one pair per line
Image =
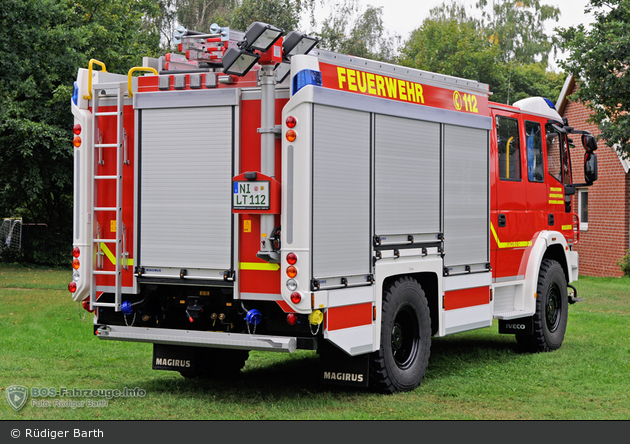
254,193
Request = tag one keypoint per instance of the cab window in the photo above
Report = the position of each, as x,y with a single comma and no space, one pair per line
509,147
557,155
533,144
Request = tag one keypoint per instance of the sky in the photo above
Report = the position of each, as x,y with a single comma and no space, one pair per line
403,16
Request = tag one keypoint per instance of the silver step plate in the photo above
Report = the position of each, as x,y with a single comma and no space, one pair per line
198,338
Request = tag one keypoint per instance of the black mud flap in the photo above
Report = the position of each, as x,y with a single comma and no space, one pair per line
517,326
339,368
174,357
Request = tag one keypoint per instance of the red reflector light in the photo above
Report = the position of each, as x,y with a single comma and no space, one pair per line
292,319
291,135
291,122
72,286
76,141
76,252
76,264
296,297
76,129
291,271
291,258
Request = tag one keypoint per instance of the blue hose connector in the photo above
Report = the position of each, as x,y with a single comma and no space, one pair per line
253,317
126,307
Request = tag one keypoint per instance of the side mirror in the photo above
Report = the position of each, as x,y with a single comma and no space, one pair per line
590,167
589,142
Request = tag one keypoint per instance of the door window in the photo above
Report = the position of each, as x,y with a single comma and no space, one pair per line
557,155
509,147
533,143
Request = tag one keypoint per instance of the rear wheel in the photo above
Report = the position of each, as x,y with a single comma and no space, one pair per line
217,363
552,309
402,360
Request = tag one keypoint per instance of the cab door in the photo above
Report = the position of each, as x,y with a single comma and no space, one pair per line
511,221
559,216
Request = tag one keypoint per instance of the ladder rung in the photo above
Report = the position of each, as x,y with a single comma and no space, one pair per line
105,209
105,177
105,145
107,273
104,304
105,241
110,113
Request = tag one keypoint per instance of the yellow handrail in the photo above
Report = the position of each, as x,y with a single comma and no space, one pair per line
507,167
91,65
134,69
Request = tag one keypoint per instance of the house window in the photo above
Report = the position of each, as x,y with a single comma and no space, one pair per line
583,209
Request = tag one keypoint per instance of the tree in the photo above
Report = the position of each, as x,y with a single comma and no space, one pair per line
347,31
284,14
452,42
517,27
449,42
598,58
42,45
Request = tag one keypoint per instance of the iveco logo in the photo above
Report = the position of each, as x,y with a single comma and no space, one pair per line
515,326
354,377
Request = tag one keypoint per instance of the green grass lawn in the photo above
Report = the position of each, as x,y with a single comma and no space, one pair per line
46,341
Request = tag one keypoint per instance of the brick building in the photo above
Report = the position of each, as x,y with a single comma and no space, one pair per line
604,207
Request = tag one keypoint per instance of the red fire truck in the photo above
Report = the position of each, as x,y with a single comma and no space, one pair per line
253,192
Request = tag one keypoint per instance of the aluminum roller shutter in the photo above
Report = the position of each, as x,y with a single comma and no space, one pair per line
341,192
186,188
466,182
407,176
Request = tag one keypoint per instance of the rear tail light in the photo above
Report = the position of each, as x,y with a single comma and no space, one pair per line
292,284
296,297
76,129
291,122
291,258
291,271
72,286
76,252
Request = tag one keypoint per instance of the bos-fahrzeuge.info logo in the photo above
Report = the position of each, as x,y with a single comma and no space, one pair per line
17,396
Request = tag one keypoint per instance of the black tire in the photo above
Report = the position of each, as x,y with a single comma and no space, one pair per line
552,310
401,362
214,363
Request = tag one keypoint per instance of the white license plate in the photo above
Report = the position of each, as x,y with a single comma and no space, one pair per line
251,195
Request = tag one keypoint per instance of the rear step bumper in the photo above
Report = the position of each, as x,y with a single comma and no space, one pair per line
197,338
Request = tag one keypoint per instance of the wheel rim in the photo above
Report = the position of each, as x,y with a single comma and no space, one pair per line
405,338
553,308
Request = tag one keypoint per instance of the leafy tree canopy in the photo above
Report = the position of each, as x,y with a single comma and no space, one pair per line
362,34
598,58
452,42
42,45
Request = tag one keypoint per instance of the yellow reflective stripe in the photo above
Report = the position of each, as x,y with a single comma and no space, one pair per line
556,202
111,256
559,196
516,244
259,266
552,189
567,227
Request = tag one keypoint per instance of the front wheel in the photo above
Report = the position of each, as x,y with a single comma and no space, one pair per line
552,310
402,360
